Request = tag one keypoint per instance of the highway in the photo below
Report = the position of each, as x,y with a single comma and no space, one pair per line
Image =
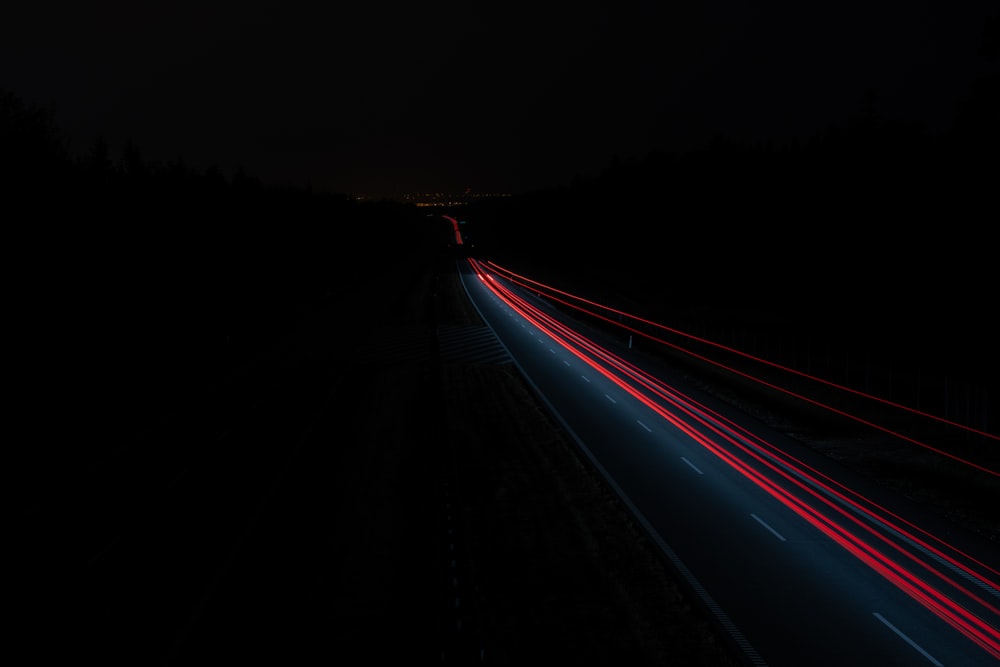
801,562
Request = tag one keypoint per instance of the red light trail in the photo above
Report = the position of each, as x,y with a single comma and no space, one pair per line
941,577
454,224
575,301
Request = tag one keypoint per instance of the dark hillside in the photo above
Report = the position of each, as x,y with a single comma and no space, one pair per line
868,239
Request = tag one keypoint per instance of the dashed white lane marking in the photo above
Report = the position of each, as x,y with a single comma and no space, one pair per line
649,430
764,523
610,399
585,378
693,466
907,639
566,362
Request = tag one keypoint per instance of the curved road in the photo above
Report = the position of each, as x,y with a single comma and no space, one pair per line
797,568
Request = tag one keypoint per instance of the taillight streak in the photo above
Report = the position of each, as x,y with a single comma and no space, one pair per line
538,287
736,434
621,372
806,399
709,419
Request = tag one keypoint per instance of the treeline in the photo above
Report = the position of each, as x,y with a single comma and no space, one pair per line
137,277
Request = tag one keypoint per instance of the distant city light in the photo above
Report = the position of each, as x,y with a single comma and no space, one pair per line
437,199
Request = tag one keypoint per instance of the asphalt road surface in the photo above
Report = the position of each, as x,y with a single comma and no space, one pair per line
776,578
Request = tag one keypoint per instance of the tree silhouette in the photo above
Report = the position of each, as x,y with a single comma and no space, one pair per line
132,164
98,160
32,149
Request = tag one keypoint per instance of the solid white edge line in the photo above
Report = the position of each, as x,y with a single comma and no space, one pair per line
706,599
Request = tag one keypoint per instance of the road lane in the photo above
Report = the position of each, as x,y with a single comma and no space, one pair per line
800,599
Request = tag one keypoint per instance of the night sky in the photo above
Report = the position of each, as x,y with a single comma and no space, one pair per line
382,97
